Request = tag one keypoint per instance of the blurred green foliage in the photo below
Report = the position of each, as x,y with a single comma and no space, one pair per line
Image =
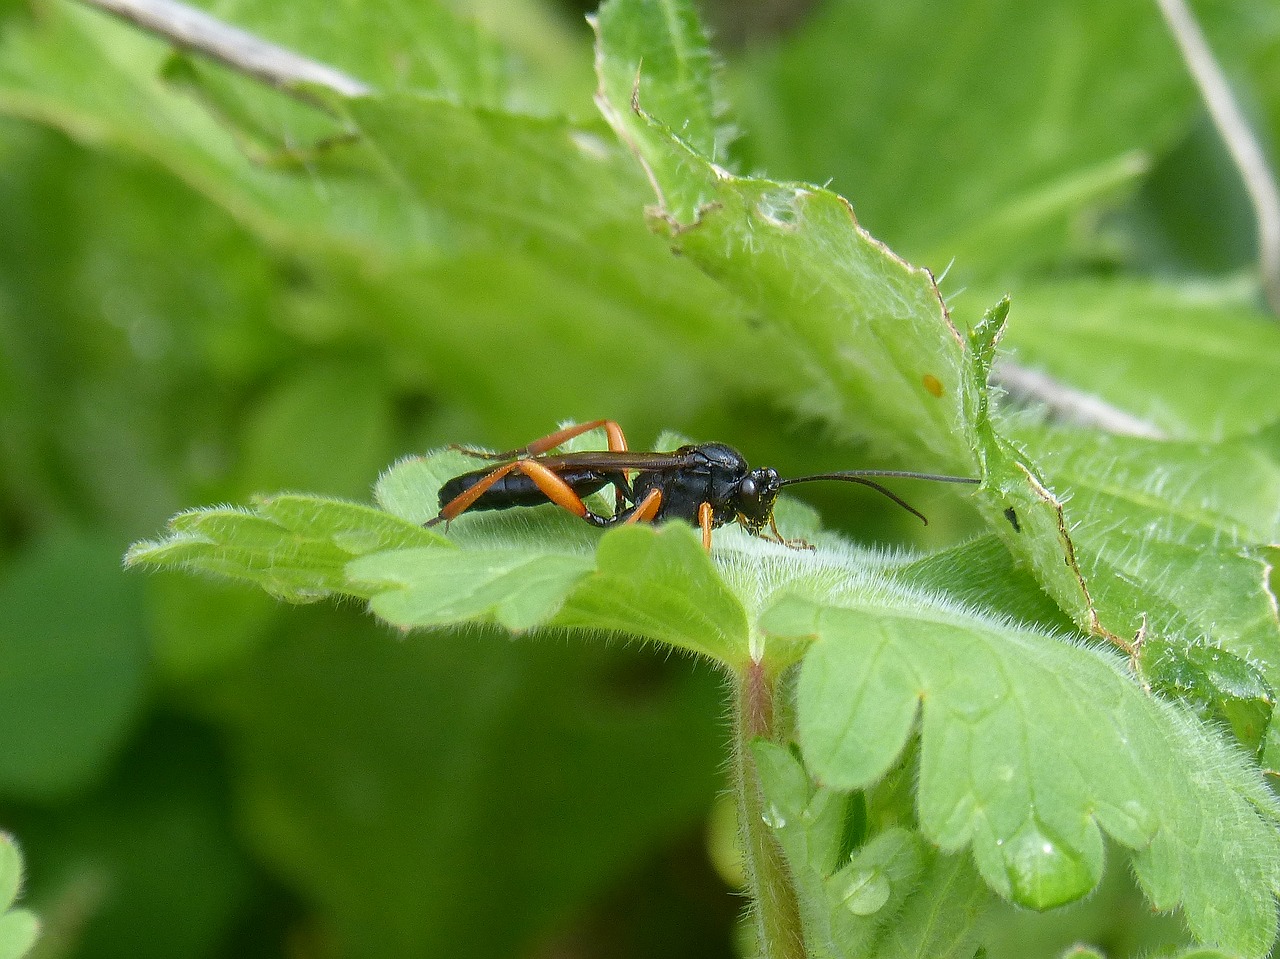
202,297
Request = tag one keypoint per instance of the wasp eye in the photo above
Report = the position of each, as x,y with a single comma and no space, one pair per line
747,487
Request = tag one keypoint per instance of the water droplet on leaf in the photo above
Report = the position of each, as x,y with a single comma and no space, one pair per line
773,817
866,892
1043,870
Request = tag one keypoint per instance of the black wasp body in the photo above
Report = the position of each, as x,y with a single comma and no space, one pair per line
708,484
681,483
519,489
711,474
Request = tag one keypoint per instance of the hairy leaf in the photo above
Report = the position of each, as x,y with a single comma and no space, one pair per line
294,547
892,897
10,871
515,588
1032,746
796,254
1030,749
18,927
1198,362
627,589
981,131
879,349
1133,537
673,79
1169,536
871,333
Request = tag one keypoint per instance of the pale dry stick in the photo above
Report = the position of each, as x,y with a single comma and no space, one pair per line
195,30
1068,403
1243,145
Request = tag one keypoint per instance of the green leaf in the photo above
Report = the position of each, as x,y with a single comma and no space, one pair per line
1016,502
391,243
295,547
1001,162
659,62
352,527
1156,350
892,897
410,489
1123,515
887,863
661,585
643,582
518,589
79,69
946,915
19,930
766,240
572,162
10,871
1220,687
981,574
422,46
72,666
1168,536
18,927
1016,764
662,57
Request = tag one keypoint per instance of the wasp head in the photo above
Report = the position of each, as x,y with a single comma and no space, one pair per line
755,496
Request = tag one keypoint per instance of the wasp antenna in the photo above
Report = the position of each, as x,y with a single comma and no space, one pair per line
861,477
855,475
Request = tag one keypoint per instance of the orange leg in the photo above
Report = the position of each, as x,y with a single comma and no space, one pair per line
646,509
462,502
704,520
773,528
790,543
617,444
556,490
617,441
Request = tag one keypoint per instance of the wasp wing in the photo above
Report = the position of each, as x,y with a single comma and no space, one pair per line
619,460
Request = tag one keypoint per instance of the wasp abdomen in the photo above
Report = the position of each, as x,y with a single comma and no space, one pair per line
517,489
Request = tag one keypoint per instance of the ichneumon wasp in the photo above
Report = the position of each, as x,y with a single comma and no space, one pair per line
708,484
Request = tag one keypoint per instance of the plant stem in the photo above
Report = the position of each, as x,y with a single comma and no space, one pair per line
190,28
776,911
1242,142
